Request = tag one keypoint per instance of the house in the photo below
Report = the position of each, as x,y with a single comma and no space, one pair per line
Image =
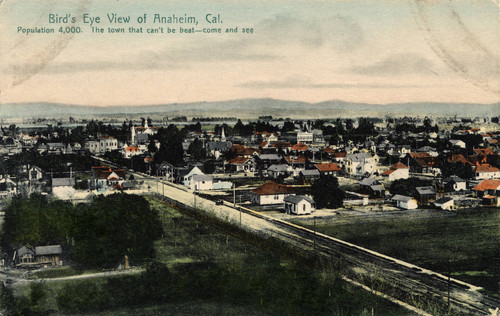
240,164
327,169
48,255
266,160
299,147
63,188
305,137
309,176
201,182
423,162
102,145
299,205
445,203
296,163
103,177
405,202
24,255
271,193
186,178
425,195
454,183
487,187
35,173
486,171
397,171
360,164
279,170
42,255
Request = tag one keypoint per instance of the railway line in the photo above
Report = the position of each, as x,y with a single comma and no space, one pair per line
404,283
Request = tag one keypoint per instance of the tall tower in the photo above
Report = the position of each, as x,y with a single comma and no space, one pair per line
132,135
222,135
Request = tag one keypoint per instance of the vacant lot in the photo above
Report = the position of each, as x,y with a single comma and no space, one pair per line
464,244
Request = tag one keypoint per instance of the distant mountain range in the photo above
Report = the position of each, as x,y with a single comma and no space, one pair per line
251,108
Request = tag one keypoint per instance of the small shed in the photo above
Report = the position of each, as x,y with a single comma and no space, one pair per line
405,202
445,203
299,205
426,195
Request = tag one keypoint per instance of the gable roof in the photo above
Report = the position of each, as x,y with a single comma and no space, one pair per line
272,187
295,199
485,168
487,185
368,181
402,198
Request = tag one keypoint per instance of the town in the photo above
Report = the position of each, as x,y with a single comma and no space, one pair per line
290,169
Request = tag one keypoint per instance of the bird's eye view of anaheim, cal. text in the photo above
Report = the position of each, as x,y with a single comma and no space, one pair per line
253,158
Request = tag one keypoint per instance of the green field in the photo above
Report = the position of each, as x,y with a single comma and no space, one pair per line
465,245
209,273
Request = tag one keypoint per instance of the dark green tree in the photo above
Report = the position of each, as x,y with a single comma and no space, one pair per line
326,193
114,226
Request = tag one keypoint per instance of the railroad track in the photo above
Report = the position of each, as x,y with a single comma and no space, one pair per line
407,283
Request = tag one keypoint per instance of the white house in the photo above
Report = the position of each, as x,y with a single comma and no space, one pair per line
201,182
186,180
455,184
299,205
305,137
360,164
485,171
397,171
271,193
445,203
405,202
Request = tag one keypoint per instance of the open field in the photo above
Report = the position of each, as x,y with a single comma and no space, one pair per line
209,273
463,244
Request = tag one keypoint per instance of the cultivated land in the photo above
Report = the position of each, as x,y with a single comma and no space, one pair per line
464,243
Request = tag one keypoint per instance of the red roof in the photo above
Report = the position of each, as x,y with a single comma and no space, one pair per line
459,158
263,144
238,160
132,148
329,150
299,147
487,185
324,167
394,167
272,187
483,151
485,168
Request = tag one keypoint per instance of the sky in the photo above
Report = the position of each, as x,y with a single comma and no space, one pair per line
358,51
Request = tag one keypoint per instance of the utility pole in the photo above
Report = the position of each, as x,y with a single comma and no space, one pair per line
234,194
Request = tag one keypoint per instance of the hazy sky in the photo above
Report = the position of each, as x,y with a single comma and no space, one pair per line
360,51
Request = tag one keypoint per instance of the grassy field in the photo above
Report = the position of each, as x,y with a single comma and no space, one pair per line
209,273
465,245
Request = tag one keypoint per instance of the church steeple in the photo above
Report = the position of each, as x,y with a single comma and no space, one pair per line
222,135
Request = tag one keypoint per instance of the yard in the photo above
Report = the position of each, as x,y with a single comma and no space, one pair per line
464,244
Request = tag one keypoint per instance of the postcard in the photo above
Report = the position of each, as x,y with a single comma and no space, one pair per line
243,98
